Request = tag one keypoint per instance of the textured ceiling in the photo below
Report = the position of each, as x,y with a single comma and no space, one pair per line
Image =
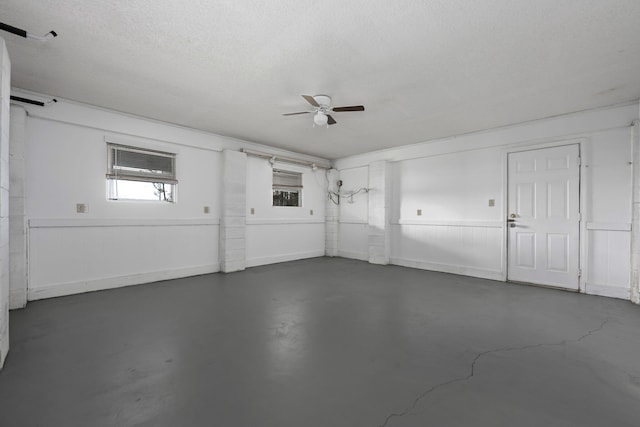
423,69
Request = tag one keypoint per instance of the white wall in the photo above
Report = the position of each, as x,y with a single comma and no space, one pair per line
608,212
353,240
116,242
283,233
5,88
452,181
119,243
457,231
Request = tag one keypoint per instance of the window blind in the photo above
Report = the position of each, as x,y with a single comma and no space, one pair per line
286,179
136,164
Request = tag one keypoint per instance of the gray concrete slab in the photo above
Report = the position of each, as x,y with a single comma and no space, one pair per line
324,342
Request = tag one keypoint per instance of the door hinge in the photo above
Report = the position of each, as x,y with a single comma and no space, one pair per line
579,273
579,161
579,217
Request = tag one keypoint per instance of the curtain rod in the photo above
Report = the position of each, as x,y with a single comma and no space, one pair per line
278,158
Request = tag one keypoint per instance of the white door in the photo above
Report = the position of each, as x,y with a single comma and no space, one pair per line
543,221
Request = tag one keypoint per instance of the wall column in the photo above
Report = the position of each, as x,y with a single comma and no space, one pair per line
332,215
378,220
233,212
5,93
17,212
635,221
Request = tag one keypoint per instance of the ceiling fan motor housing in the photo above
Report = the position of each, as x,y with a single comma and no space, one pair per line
324,101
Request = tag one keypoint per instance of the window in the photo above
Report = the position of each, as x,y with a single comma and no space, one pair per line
138,174
287,188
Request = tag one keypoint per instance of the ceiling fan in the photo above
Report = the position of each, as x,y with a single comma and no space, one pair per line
322,107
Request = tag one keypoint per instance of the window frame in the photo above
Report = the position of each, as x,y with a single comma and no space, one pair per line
297,188
117,173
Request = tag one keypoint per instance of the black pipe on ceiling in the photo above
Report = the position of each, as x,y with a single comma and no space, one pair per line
31,101
23,33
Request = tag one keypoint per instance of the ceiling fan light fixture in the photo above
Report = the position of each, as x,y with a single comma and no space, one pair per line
320,119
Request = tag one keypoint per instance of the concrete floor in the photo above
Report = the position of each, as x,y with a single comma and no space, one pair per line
324,342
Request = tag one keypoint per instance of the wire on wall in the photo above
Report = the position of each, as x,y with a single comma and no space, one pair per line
335,196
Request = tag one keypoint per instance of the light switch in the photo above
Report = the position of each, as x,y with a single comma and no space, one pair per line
206,209
310,211
419,212
81,208
253,211
492,202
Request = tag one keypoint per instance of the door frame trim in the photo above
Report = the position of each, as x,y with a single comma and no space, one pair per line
583,184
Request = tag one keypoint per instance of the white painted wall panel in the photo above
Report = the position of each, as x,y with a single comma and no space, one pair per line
67,165
456,230
66,260
609,263
608,173
449,187
353,240
259,192
353,229
284,233
115,243
268,243
355,209
461,249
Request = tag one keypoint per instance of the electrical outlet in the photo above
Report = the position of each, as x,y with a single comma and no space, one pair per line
253,211
492,202
206,209
81,208
419,212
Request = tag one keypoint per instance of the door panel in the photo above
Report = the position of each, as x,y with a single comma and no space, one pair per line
543,207
526,250
526,200
557,251
557,200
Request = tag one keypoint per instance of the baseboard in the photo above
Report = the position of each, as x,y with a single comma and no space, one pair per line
61,289
447,268
362,256
607,291
254,262
17,299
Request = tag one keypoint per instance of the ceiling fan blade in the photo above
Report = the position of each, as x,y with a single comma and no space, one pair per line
352,108
330,120
310,100
301,112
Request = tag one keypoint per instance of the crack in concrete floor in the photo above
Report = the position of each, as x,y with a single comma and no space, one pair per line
476,359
